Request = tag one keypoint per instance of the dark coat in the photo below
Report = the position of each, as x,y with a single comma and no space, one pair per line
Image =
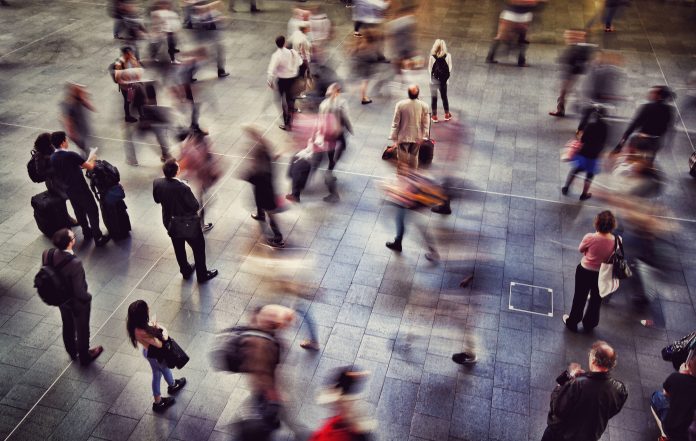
176,198
73,274
581,408
260,175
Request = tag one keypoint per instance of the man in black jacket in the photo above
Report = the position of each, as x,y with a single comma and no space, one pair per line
177,199
67,166
75,312
583,402
651,121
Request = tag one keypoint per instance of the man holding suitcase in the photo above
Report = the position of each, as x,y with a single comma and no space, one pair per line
409,127
68,167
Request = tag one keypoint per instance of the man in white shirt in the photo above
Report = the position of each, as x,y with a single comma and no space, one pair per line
409,127
282,73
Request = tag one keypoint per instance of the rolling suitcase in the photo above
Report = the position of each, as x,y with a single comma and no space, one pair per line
50,212
692,165
427,148
115,214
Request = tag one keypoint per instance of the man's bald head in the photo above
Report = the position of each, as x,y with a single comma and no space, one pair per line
602,356
413,91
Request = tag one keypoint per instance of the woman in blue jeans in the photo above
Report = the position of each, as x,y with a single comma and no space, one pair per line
151,337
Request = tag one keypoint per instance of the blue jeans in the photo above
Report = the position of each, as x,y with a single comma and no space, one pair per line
660,403
159,369
609,14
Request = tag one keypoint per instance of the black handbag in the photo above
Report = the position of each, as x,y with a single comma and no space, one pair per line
174,356
679,349
184,227
621,269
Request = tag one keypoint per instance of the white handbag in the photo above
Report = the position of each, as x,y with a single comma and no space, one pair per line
607,282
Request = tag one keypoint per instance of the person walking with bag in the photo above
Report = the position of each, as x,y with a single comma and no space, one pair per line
151,337
592,133
74,312
180,218
440,70
596,248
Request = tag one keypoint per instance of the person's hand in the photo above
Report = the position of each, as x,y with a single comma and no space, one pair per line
574,369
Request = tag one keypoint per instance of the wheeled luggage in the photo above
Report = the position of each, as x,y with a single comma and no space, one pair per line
115,214
50,212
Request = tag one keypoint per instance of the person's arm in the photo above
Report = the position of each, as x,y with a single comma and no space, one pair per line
78,281
431,62
89,163
635,122
190,201
272,67
395,124
155,192
448,59
585,243
563,400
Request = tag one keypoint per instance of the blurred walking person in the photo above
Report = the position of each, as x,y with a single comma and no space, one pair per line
197,162
282,74
592,133
75,116
651,121
440,70
611,10
260,176
165,24
366,55
513,25
150,336
127,72
573,63
596,248
180,218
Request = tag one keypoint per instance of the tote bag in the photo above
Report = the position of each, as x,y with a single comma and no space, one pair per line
608,276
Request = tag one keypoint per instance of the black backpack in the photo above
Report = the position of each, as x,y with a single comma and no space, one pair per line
440,69
103,177
36,168
50,284
228,350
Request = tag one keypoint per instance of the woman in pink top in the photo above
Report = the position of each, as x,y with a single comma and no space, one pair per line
151,337
596,248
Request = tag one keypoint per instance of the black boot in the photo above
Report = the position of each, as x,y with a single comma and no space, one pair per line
490,58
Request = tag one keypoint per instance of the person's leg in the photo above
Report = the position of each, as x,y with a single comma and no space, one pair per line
609,14
156,377
523,43
171,46
161,135
197,244
646,276
490,58
582,287
331,153
284,93
586,186
220,49
81,216
400,224
126,104
443,95
93,214
81,317
570,178
277,235
129,146
166,373
180,254
591,318
68,331
433,97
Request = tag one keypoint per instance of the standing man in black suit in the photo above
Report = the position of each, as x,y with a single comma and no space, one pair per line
68,167
75,312
177,199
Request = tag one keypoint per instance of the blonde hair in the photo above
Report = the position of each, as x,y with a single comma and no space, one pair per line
439,48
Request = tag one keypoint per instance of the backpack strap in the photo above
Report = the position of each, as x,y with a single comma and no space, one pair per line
51,256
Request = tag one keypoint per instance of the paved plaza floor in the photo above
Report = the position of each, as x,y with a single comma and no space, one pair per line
399,316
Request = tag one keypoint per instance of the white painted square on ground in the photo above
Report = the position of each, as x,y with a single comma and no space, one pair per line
530,298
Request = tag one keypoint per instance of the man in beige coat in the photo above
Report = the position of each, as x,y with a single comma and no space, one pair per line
409,127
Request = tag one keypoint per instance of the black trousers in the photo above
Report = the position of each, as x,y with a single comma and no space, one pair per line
586,281
138,99
87,213
287,99
76,330
197,245
442,87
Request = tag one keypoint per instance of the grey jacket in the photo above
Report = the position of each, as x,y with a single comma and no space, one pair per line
410,122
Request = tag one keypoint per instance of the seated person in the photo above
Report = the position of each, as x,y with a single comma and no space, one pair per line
676,403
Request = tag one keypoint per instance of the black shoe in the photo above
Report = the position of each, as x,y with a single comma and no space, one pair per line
253,10
332,198
276,242
557,113
442,209
567,325
187,275
585,196
258,217
93,354
464,358
491,61
564,190
395,246
223,74
163,404
131,119
101,241
178,385
210,274
207,227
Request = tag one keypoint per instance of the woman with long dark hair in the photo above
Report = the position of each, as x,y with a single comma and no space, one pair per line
596,248
152,337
